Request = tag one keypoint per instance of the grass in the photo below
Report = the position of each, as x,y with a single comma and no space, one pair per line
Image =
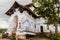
2,30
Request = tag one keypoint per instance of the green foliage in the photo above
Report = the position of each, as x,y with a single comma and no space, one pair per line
53,38
47,9
2,30
57,37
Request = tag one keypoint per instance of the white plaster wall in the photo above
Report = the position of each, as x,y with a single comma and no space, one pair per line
58,28
52,28
30,24
40,22
22,17
12,24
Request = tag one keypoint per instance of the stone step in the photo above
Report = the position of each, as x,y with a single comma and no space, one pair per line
37,39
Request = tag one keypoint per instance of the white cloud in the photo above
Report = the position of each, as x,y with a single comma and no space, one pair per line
4,24
4,6
24,2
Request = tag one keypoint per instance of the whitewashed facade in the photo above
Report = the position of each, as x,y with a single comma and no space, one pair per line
28,23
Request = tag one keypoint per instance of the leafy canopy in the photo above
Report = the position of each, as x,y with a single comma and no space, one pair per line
49,9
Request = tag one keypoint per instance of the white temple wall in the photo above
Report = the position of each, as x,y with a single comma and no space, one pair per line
40,22
29,17
58,28
29,23
12,24
52,28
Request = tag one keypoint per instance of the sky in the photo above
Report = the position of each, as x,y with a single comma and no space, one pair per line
4,7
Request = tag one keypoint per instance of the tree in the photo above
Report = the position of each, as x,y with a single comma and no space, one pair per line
48,9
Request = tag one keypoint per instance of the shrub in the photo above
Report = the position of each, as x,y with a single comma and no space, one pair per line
55,37
58,36
2,30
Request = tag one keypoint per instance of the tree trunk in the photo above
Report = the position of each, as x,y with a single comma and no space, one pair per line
48,26
56,30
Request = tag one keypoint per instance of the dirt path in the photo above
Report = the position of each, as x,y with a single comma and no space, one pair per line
4,39
27,39
37,39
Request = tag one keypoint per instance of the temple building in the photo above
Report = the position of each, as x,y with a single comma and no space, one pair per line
23,19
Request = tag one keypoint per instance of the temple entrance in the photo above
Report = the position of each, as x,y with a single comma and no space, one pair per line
41,29
42,34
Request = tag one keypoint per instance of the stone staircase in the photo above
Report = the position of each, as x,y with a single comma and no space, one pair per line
34,38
